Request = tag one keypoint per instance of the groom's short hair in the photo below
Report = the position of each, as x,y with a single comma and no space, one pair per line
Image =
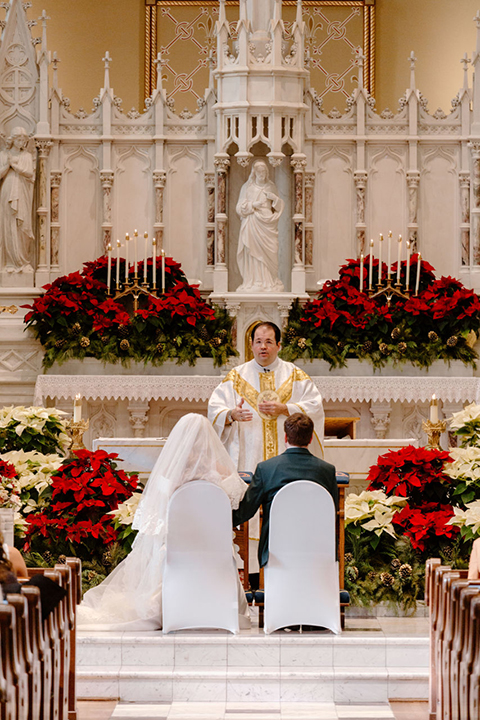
267,323
299,429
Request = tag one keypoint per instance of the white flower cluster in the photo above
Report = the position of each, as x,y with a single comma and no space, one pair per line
467,518
374,507
470,414
465,465
34,472
34,418
126,510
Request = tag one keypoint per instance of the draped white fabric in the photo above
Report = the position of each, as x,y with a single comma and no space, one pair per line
130,597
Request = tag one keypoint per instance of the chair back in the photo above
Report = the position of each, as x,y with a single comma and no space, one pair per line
200,577
301,576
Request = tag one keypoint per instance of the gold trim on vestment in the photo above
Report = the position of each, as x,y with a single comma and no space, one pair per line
217,415
243,388
270,434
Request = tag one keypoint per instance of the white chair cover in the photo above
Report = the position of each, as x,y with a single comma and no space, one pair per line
200,575
301,576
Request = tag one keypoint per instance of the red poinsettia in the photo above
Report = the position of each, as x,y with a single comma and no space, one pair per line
426,524
7,470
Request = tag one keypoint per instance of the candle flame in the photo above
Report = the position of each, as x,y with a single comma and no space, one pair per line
127,236
119,244
434,398
399,238
145,235
389,233
381,237
135,233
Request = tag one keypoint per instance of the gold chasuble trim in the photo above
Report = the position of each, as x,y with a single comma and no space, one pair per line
270,435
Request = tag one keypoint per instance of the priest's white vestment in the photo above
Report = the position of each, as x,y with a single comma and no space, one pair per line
251,442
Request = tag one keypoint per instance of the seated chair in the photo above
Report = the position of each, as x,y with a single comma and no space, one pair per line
200,578
301,576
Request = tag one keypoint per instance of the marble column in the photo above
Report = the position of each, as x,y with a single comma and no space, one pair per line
222,163
106,178
380,419
210,225
309,195
413,179
298,163
55,179
159,179
464,179
43,147
138,411
360,179
475,210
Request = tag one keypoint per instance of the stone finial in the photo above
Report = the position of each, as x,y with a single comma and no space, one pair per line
465,61
159,64
107,60
412,59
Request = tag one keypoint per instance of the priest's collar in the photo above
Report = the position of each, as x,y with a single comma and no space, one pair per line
268,368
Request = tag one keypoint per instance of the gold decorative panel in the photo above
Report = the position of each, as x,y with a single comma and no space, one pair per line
183,31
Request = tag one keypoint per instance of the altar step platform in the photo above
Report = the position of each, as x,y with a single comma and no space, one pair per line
373,661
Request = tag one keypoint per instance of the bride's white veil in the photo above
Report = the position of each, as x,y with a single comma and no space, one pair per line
130,597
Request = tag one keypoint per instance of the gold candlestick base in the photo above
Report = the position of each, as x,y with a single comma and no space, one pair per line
433,431
76,430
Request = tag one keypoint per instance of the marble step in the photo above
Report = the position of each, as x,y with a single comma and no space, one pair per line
197,667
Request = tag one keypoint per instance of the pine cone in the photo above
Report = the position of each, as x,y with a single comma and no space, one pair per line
222,334
432,336
396,333
123,330
340,345
348,558
203,333
76,328
302,343
160,347
368,346
60,343
405,571
448,552
372,575
105,339
291,334
107,557
384,349
452,341
62,559
216,342
48,557
387,579
395,564
352,573
124,345
84,342
402,347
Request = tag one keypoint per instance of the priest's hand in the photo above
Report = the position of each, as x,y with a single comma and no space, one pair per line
273,408
241,414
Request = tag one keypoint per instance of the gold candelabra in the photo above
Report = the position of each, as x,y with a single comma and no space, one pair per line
76,430
434,431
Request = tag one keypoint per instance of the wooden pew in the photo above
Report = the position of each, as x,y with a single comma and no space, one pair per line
449,581
29,660
445,582
40,682
469,630
75,565
10,660
430,566
474,690
434,600
458,589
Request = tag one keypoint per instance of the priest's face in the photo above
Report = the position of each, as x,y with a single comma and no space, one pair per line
265,347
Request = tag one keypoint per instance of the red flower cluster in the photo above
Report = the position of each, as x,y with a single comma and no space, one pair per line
409,471
7,470
84,490
183,301
423,525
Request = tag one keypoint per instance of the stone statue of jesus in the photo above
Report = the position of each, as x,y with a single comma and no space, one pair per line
259,207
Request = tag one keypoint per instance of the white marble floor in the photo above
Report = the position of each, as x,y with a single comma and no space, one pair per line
251,711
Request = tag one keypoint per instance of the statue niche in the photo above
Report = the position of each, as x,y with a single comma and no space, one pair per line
259,208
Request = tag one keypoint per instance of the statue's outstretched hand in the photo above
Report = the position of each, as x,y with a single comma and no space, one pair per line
241,414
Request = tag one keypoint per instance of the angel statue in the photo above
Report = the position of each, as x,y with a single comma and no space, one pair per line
17,177
259,207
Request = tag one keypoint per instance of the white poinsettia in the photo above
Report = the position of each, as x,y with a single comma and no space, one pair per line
375,509
470,517
126,510
34,472
470,413
465,465
19,418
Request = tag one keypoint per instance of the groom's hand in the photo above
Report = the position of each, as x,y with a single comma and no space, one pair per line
239,414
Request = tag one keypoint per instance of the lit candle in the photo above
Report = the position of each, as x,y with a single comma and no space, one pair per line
399,260
109,267
127,238
154,262
434,410
407,282
135,236
370,267
118,265
389,258
77,408
380,245
361,272
163,271
419,264
145,235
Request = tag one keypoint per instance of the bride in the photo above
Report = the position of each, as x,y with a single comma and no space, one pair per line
130,598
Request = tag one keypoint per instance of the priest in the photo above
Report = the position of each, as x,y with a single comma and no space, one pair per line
249,407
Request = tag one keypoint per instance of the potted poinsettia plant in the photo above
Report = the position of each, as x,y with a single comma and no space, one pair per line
9,500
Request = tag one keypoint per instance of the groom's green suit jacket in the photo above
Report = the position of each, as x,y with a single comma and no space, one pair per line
295,463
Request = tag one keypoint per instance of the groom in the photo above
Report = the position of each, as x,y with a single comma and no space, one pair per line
296,463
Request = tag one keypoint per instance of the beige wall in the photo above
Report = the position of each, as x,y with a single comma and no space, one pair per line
81,31
439,32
